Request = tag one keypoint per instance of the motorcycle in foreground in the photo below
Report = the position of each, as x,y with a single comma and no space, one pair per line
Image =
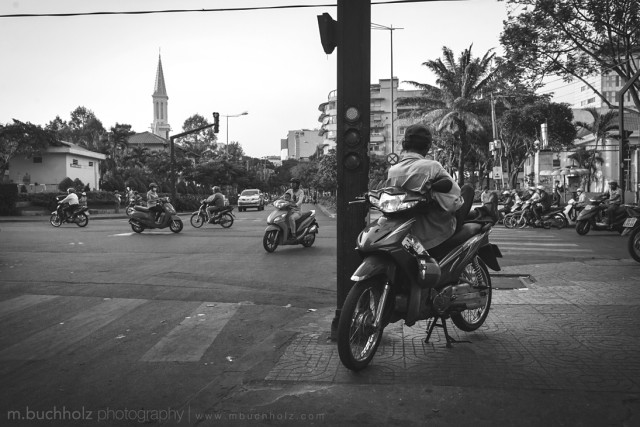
143,219
591,217
399,279
80,216
223,217
278,232
632,228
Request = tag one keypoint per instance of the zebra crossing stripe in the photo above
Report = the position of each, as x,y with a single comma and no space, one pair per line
52,340
188,341
13,305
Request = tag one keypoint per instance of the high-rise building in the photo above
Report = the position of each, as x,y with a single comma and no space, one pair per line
301,144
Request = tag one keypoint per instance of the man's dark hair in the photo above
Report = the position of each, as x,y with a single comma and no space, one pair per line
416,138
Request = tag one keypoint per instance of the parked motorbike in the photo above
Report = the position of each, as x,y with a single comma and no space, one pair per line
80,216
399,279
592,217
143,218
223,217
632,229
278,232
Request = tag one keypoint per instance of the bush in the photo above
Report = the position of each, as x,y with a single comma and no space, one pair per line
65,184
8,199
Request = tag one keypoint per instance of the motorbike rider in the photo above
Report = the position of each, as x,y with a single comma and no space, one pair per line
582,197
297,197
542,204
414,172
72,202
215,202
152,201
509,201
614,194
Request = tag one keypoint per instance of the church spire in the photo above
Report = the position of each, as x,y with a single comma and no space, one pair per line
160,125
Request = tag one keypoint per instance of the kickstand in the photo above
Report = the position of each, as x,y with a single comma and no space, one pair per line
432,323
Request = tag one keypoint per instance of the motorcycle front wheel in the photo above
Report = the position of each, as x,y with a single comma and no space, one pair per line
358,340
137,227
198,220
226,220
634,244
55,220
270,240
583,227
130,210
176,226
477,274
82,220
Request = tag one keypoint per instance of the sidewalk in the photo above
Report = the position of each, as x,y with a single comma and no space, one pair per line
562,352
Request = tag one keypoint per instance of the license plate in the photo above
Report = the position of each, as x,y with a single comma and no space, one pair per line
629,222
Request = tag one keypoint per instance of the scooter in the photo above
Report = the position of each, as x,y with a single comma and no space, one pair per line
143,218
224,217
278,232
632,229
591,217
398,279
80,216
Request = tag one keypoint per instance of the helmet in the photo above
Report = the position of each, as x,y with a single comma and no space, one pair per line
540,187
152,185
531,189
215,189
613,183
295,181
505,192
71,190
579,190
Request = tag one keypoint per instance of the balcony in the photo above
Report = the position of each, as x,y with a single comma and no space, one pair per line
376,138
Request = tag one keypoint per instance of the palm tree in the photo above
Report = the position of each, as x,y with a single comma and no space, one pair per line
449,107
587,159
600,128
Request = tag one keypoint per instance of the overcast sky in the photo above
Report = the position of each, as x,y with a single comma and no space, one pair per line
267,62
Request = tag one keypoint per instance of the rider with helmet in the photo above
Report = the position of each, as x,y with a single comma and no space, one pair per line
72,202
215,202
297,197
543,203
614,194
152,201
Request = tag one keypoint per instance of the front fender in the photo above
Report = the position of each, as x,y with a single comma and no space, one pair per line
374,265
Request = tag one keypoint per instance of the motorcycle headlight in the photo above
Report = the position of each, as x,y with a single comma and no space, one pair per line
388,203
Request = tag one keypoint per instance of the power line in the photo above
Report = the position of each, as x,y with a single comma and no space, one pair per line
233,9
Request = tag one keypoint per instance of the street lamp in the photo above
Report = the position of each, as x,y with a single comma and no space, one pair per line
244,113
390,29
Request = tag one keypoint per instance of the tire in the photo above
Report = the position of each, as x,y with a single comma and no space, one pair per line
583,227
197,220
508,221
560,221
270,240
469,320
176,226
55,220
137,227
226,220
357,340
82,220
634,244
520,222
308,240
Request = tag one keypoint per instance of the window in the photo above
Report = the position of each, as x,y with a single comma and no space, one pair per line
37,159
90,163
75,162
591,100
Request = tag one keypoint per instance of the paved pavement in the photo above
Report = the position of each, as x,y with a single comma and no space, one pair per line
562,350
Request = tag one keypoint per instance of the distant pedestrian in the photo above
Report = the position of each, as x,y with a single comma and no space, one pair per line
118,200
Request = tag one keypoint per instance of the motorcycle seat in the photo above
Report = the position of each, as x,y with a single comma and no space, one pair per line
468,230
303,217
141,209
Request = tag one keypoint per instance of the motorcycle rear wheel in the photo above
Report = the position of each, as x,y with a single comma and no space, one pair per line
82,220
357,339
270,240
583,227
55,220
475,272
198,220
226,220
176,226
634,244
308,240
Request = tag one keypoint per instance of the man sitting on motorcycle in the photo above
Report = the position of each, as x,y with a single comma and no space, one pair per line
72,203
415,173
297,198
614,194
542,204
152,201
215,202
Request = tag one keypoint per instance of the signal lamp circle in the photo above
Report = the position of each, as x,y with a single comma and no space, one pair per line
352,114
352,137
351,161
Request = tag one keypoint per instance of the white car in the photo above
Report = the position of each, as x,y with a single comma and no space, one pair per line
251,198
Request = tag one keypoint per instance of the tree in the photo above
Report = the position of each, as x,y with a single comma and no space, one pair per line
85,129
574,39
600,128
21,138
202,143
449,107
327,175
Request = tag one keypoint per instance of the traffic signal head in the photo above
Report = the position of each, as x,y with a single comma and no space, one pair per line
216,122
